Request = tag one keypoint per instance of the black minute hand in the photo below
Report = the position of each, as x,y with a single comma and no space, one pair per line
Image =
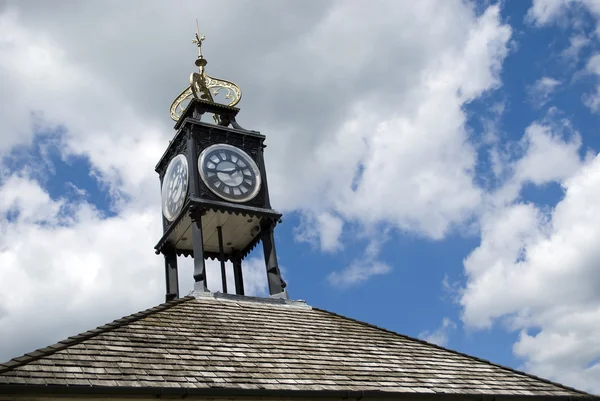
231,170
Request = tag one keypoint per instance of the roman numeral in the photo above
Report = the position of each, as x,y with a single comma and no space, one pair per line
212,178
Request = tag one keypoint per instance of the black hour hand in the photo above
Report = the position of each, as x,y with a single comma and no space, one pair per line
230,170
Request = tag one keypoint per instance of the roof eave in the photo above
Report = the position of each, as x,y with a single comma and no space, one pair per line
174,392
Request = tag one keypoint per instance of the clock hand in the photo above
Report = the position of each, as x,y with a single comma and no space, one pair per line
231,170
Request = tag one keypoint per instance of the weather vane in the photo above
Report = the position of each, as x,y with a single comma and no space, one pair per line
198,41
203,86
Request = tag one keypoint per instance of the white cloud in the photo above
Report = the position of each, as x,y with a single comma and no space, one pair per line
28,202
56,267
593,65
505,235
536,270
592,99
544,12
540,92
253,272
402,156
549,153
364,267
99,123
577,43
322,229
440,335
255,276
358,272
548,156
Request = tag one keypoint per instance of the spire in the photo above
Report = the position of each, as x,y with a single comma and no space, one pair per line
203,86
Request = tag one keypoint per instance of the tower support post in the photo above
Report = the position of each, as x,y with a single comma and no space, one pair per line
198,246
222,259
171,276
237,273
276,283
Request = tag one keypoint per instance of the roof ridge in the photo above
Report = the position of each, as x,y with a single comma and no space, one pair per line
459,353
76,339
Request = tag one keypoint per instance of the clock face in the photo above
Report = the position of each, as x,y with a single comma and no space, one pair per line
229,172
174,187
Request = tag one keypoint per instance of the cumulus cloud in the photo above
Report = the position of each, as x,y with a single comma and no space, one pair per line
364,267
549,155
535,269
592,99
321,229
540,92
545,12
358,272
440,335
57,265
410,165
548,152
254,276
577,43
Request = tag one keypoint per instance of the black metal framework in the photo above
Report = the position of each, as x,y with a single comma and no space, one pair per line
202,205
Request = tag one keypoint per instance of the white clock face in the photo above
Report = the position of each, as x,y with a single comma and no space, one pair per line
229,172
174,187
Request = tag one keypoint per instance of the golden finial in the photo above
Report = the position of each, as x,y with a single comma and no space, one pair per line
201,84
198,41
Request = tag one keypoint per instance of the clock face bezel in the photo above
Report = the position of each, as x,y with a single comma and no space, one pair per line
180,158
250,163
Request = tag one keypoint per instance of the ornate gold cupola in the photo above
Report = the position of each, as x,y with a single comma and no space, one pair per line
215,198
201,85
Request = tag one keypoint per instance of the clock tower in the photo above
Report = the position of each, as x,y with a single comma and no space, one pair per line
215,197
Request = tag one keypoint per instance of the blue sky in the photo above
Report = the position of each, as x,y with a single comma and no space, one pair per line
436,173
412,298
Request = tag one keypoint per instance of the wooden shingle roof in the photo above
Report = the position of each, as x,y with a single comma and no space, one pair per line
240,344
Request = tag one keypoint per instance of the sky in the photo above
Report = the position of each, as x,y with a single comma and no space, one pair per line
436,163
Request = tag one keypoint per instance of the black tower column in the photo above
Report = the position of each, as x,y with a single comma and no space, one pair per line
199,268
237,274
171,276
222,260
276,283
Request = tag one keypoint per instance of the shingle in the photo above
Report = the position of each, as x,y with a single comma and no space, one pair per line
211,342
